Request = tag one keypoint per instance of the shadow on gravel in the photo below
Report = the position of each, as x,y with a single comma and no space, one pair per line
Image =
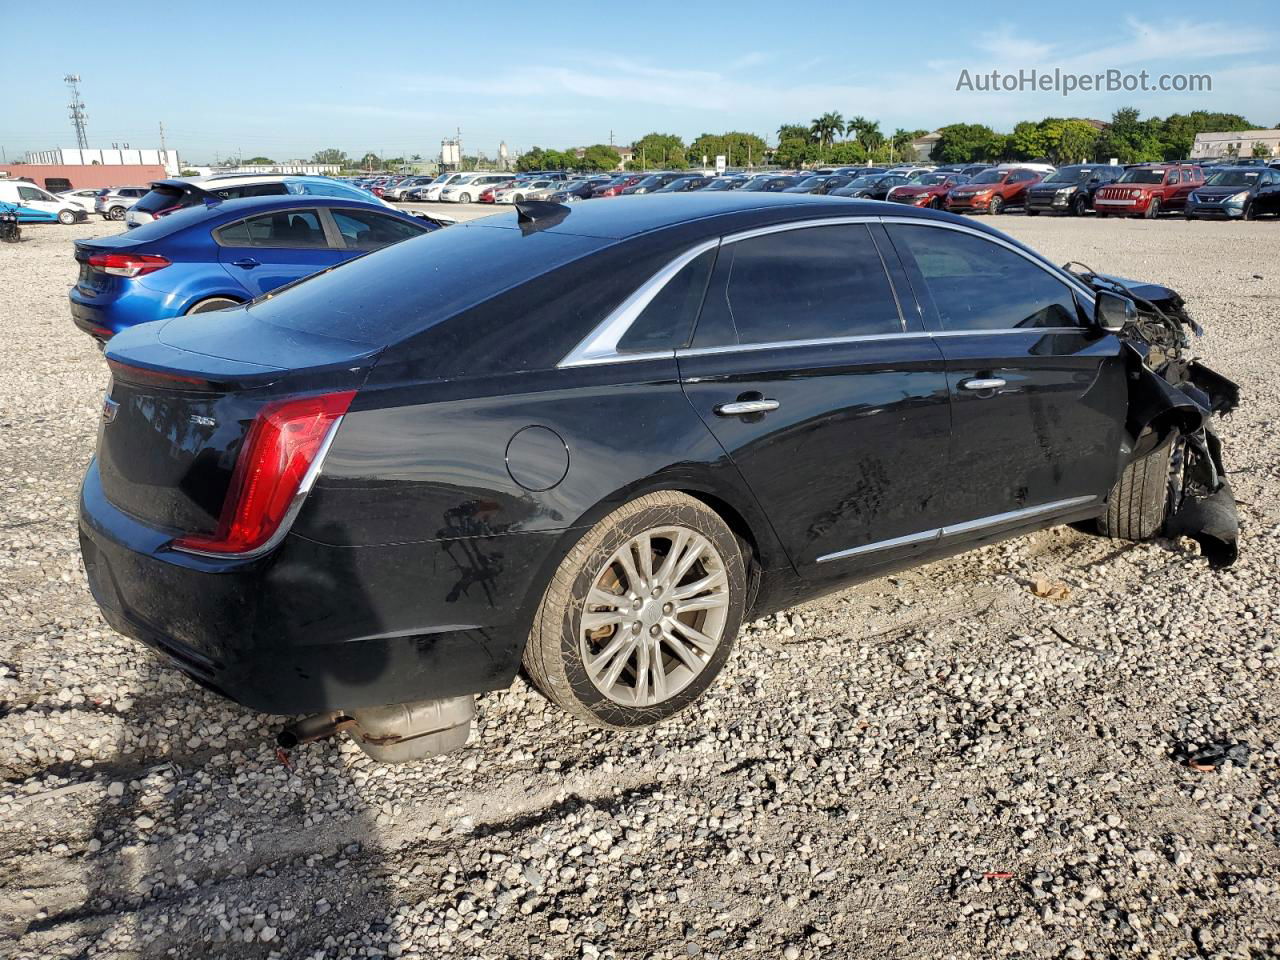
210,842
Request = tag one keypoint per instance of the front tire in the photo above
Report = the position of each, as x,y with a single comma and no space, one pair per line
1138,503
995,205
1079,206
465,198
641,615
1153,209
66,217
116,213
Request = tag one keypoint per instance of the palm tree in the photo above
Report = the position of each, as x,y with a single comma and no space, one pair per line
869,135
854,125
793,131
826,127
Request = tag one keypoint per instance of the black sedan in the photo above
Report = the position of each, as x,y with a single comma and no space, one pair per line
592,440
685,185
651,183
873,187
770,184
821,184
1236,193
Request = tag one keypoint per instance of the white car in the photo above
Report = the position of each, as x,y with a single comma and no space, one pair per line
471,186
432,193
521,190
166,196
37,205
84,197
397,192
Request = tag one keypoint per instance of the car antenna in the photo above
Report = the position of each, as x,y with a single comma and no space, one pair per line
534,215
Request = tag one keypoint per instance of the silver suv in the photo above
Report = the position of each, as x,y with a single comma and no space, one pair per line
114,201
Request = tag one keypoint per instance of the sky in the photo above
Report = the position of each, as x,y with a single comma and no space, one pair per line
284,81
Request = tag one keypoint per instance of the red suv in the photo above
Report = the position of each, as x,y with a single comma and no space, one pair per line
992,190
927,190
615,186
1148,190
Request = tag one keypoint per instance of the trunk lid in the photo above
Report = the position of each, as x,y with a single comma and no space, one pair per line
183,395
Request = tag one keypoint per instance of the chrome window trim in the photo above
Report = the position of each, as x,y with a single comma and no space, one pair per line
868,338
954,529
601,344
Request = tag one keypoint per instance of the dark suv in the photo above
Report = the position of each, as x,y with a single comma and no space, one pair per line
1070,189
593,439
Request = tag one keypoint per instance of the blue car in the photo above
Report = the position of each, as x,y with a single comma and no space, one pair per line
211,257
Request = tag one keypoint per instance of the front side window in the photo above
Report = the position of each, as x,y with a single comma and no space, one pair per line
29,193
814,283
977,284
296,229
369,230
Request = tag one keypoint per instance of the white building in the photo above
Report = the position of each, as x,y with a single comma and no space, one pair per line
112,157
1235,143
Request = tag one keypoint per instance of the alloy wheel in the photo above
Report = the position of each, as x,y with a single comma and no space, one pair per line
654,616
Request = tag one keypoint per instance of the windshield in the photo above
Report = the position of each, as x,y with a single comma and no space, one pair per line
932,179
1234,178
1069,175
864,182
989,176
811,182
1142,176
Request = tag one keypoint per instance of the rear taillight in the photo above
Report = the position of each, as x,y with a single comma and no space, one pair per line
166,211
273,474
128,264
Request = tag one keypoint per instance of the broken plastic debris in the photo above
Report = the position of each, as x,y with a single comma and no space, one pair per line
1211,756
1051,590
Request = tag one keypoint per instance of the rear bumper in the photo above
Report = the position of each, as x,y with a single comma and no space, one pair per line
314,627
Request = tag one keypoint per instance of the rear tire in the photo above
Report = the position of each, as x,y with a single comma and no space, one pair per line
618,674
1138,503
213,303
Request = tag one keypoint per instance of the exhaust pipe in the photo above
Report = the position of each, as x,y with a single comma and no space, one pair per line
393,733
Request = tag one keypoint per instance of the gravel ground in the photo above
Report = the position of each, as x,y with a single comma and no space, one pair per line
939,763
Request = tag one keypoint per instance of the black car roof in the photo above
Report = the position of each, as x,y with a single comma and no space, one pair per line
631,216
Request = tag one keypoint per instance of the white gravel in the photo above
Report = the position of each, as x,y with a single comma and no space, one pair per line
938,763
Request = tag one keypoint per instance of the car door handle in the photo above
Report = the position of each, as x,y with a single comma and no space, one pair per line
983,383
740,407
248,263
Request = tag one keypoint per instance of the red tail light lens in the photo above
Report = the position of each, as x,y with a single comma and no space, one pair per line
128,264
272,474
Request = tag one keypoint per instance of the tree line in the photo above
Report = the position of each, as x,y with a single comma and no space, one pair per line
830,138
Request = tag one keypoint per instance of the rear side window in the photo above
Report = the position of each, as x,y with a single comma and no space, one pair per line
368,230
250,190
297,229
809,284
667,321
976,284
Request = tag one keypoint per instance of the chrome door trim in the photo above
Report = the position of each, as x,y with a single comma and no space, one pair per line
955,529
601,344
797,225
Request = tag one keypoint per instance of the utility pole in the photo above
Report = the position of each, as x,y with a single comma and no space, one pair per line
76,106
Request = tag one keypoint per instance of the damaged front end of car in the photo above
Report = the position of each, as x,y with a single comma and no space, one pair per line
1175,398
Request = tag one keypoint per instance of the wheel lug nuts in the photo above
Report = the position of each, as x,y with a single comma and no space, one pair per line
667,608
657,591
655,631
635,626
637,603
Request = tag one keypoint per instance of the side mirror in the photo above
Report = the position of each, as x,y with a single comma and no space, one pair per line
1112,312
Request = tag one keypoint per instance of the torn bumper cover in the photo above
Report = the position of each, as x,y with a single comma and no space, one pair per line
1174,399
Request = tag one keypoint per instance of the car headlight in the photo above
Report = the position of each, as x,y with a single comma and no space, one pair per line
1193,198
1240,197
1064,192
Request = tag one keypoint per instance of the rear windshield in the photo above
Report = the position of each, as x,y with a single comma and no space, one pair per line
162,198
386,296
